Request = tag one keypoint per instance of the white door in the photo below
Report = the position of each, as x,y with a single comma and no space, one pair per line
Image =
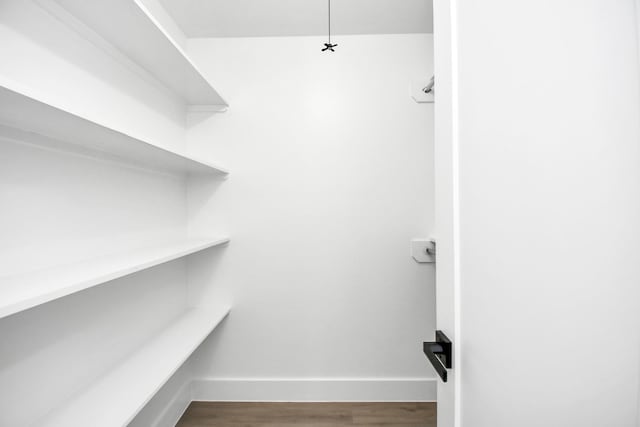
446,209
538,211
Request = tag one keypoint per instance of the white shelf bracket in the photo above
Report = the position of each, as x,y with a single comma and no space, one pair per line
423,90
423,250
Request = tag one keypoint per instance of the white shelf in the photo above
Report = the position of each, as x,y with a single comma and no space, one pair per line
27,118
24,291
117,397
128,27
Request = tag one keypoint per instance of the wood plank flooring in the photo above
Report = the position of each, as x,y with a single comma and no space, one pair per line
253,414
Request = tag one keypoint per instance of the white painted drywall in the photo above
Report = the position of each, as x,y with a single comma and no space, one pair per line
549,180
288,18
332,176
57,208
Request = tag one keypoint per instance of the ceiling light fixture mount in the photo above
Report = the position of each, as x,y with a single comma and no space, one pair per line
329,46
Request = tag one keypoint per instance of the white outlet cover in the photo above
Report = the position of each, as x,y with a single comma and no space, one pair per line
417,93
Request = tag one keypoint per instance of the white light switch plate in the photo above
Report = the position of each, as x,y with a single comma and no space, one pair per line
419,250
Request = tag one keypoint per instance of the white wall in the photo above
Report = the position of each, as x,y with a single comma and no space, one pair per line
332,176
58,207
549,181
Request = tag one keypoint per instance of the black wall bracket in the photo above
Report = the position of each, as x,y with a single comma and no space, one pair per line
439,354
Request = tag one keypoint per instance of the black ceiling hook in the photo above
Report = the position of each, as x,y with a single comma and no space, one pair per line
329,46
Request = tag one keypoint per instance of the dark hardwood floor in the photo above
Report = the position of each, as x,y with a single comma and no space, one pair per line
250,414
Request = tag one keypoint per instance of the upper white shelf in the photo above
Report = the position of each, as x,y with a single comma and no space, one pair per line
128,26
31,120
116,398
24,291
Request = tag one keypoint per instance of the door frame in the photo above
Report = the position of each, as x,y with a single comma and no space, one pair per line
447,204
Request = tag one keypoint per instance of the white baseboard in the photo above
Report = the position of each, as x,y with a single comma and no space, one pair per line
174,410
314,390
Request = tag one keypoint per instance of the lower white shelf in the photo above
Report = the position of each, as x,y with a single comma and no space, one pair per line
24,291
116,398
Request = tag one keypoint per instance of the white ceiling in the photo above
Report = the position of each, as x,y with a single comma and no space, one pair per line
258,18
